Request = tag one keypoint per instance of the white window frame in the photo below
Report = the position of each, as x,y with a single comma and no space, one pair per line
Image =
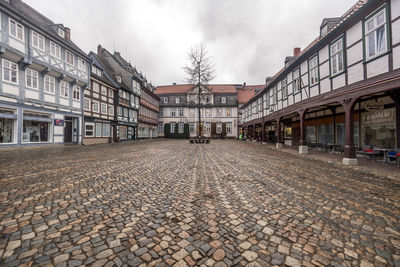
10,70
377,26
119,111
181,127
337,52
229,127
177,100
228,112
101,130
106,127
22,38
72,56
223,100
173,112
110,93
296,81
57,50
160,127
284,89
105,90
181,112
61,32
96,87
94,102
218,127
31,74
172,129
111,110
49,84
76,93
102,105
81,64
313,70
119,79
64,89
94,129
165,100
38,37
88,102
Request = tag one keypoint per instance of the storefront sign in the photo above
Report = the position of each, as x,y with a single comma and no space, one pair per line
378,117
373,106
58,122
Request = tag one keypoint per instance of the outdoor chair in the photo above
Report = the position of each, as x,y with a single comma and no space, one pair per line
394,155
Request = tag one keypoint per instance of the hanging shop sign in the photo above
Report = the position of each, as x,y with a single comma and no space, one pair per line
378,117
373,106
58,122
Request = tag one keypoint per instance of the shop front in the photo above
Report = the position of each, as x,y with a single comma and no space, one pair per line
379,128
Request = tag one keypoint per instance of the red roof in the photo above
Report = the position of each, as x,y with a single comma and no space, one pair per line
247,92
184,88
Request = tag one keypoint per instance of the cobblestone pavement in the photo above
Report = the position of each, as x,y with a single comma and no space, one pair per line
169,202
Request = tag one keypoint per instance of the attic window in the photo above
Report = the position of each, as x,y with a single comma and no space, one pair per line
119,78
61,32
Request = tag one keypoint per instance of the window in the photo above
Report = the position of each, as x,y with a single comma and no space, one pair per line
191,113
313,70
274,95
136,86
132,100
208,99
61,32
10,71
95,106
55,50
36,128
337,62
376,42
296,81
89,129
229,127
96,87
219,128
64,88
165,100
181,112
284,89
208,113
191,127
172,130
119,79
96,70
161,114
16,30
219,112
37,41
69,57
119,111
208,127
223,100
125,111
103,90
76,93
106,130
110,93
131,117
81,64
160,127
98,129
7,126
173,112
177,100
86,104
31,78
181,127
49,84
103,108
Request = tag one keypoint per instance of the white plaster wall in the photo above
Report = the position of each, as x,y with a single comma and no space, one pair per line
339,81
324,54
377,66
355,73
31,94
354,54
290,98
395,8
324,70
396,32
325,86
49,98
58,139
304,92
58,130
304,79
303,67
10,89
396,57
354,34
289,78
64,101
297,98
17,45
58,116
76,104
314,91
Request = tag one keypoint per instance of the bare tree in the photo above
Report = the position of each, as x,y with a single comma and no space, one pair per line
199,71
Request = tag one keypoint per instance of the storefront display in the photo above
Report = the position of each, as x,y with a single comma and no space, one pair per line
122,132
6,126
379,128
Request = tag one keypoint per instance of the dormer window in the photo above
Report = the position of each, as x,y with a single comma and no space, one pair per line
165,100
223,100
61,32
177,100
119,79
96,70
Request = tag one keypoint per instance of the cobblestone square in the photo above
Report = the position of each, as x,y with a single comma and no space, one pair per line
168,202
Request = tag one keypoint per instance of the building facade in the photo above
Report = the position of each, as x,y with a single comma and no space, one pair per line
128,97
179,106
148,112
99,105
43,74
341,90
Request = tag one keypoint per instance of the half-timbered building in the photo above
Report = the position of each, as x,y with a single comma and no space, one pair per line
43,74
340,91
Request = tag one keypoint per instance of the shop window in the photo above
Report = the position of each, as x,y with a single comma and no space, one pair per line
7,124
98,129
89,129
181,127
106,130
160,127
122,132
172,128
191,127
311,134
219,128
326,134
36,128
229,127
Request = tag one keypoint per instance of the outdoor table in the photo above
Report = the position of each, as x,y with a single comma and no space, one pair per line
385,151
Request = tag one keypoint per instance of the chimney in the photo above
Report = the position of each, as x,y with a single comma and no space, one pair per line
296,51
67,33
244,84
99,50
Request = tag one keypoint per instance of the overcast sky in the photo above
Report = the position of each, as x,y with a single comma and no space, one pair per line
248,40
